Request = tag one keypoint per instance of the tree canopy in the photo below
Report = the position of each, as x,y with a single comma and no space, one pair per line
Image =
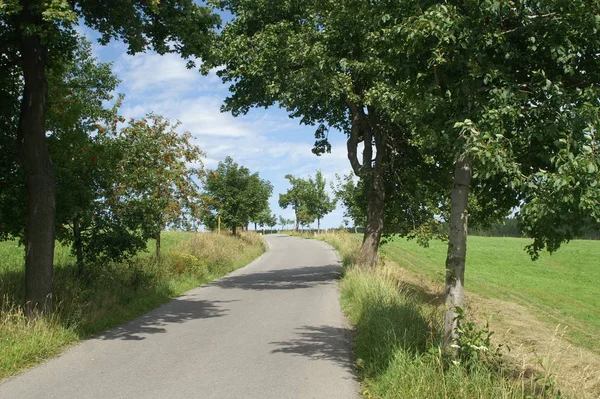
235,195
36,35
492,103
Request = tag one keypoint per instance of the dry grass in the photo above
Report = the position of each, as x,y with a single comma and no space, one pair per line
112,293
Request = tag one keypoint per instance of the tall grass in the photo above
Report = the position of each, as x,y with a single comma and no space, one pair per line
110,293
398,335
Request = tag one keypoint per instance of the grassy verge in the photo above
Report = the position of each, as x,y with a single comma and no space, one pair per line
111,294
398,335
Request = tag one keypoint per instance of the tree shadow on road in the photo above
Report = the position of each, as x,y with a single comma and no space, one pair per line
178,310
282,279
320,343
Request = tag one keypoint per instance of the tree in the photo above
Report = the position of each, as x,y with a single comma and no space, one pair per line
271,221
155,176
236,195
78,89
297,197
319,61
265,218
348,193
514,102
319,203
38,34
282,222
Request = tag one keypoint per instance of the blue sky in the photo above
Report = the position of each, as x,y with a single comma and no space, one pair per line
265,141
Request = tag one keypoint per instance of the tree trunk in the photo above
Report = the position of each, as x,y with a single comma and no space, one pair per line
78,245
39,172
368,254
457,249
297,224
158,245
255,227
318,226
234,230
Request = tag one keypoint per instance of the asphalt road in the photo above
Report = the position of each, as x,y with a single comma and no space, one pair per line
273,329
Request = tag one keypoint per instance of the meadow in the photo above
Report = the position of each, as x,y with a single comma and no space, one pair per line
562,288
110,293
397,313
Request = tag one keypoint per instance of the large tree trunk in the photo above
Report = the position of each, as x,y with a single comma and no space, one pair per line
234,230
39,172
367,127
369,251
78,245
457,249
297,228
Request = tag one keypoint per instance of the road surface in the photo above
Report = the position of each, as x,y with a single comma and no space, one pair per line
273,329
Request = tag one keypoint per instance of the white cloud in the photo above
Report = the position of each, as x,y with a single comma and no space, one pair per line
162,77
266,141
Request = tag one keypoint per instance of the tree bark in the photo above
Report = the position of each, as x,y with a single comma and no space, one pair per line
158,245
234,230
39,171
78,246
318,226
369,250
457,248
367,127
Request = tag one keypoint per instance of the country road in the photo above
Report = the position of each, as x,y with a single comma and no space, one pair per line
273,329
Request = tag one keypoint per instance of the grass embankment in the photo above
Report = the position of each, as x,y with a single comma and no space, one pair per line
110,294
398,335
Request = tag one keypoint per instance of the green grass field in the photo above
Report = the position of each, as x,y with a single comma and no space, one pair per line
563,287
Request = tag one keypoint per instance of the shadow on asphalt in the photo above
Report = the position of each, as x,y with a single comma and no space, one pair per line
176,311
319,343
282,279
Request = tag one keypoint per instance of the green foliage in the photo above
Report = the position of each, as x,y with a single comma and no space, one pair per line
265,218
474,344
115,189
236,195
297,198
308,199
318,202
283,222
474,90
350,194
158,173
39,34
324,62
78,89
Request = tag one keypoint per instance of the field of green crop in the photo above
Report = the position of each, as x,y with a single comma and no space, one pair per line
562,288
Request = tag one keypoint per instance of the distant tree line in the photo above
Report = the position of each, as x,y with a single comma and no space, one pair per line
308,198
510,228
